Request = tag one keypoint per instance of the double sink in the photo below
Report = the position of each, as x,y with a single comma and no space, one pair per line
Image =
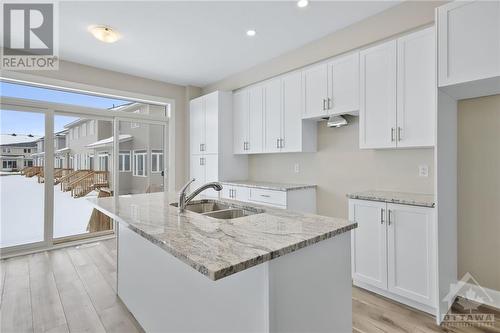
219,210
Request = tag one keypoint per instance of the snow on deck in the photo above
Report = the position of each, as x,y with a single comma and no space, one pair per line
22,212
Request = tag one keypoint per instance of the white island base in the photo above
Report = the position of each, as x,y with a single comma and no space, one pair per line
308,290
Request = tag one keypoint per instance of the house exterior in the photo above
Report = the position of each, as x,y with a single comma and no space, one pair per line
16,151
87,144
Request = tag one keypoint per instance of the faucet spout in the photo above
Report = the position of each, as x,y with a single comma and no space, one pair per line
184,199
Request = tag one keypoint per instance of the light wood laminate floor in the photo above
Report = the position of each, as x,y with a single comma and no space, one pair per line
73,290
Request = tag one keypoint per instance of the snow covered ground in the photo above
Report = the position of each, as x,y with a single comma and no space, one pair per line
21,216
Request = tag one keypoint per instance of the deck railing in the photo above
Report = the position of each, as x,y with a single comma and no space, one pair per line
71,178
99,221
91,181
33,171
60,173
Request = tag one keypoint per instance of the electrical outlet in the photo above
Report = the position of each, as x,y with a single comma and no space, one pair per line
296,168
423,170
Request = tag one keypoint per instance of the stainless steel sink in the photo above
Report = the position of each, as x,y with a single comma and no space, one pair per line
230,214
204,206
219,210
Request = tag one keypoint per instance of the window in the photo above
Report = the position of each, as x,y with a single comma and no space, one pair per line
75,132
6,150
157,161
135,125
124,161
92,127
140,163
103,161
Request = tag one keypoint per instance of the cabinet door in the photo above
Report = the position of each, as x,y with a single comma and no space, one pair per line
292,113
211,105
377,116
416,89
240,121
226,192
315,91
211,164
241,193
272,112
411,252
196,125
368,242
344,84
468,41
197,171
256,120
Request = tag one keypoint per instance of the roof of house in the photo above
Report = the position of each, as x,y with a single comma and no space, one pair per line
14,139
108,141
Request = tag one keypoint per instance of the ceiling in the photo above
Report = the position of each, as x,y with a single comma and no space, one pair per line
198,42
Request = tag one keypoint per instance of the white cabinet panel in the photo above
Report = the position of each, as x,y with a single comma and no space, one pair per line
232,192
256,120
416,91
293,131
369,251
211,164
468,41
315,91
197,171
411,252
240,121
196,125
377,123
211,108
344,84
273,118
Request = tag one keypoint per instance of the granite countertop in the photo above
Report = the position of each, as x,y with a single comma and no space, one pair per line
404,198
219,248
268,185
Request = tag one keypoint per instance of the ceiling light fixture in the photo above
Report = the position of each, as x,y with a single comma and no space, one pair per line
302,3
104,33
251,33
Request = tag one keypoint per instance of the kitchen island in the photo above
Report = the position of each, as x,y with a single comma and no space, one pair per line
268,270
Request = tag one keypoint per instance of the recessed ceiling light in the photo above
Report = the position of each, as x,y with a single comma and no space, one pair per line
302,3
251,33
104,33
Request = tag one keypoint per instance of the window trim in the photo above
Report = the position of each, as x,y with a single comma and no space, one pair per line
144,154
123,154
159,158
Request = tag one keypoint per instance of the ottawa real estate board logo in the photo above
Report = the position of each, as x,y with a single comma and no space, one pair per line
30,36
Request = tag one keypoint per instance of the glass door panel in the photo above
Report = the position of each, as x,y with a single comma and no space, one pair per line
84,148
21,166
142,167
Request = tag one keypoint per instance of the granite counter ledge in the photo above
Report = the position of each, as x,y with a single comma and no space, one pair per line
271,266
403,198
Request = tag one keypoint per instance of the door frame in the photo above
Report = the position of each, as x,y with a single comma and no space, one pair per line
49,109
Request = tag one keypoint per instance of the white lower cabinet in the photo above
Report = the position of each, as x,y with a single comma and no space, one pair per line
394,251
239,193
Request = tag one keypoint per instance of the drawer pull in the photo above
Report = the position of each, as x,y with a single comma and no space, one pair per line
265,195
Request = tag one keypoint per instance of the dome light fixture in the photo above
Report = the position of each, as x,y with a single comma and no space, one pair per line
104,33
302,3
251,33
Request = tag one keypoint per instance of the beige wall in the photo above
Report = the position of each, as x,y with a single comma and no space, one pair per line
340,167
92,76
479,189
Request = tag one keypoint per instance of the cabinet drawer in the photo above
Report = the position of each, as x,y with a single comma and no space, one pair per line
271,197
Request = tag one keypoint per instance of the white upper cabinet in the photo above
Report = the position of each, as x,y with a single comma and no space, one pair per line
343,85
197,125
211,107
416,90
273,116
377,122
398,93
315,91
469,43
240,122
296,136
255,143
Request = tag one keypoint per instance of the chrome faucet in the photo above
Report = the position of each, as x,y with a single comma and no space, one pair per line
184,199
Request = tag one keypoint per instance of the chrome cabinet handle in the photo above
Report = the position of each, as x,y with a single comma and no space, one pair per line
392,134
282,143
265,195
324,104
329,103
382,215
201,161
200,147
389,213
277,143
399,133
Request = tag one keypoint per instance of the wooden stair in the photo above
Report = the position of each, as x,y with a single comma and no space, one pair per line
86,184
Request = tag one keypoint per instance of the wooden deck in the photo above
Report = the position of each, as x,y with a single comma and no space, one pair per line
73,290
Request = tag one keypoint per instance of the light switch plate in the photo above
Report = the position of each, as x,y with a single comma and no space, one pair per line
296,168
423,170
